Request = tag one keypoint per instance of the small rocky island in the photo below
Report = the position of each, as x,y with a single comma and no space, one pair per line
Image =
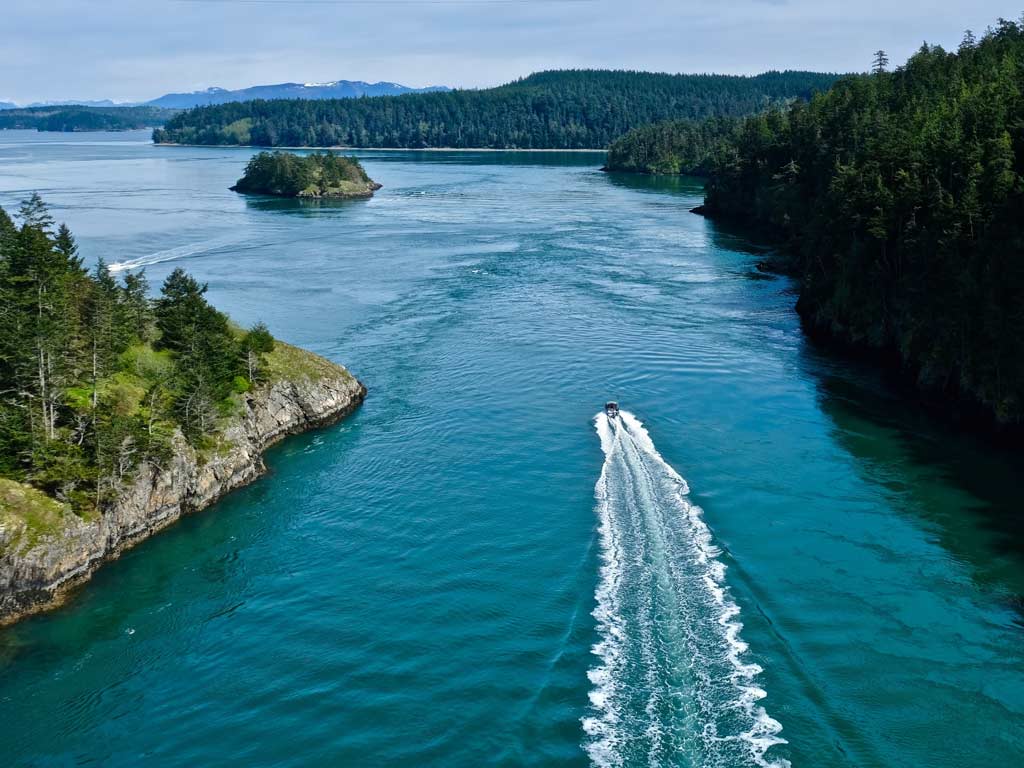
321,175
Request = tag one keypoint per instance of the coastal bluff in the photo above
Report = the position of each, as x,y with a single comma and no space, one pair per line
41,562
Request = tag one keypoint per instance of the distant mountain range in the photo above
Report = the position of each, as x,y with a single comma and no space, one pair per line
64,103
75,117
336,89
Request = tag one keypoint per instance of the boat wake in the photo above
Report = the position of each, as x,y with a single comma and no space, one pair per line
672,686
173,254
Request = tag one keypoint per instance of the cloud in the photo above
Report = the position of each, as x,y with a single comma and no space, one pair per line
134,51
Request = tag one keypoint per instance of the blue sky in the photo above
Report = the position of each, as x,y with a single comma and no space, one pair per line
140,49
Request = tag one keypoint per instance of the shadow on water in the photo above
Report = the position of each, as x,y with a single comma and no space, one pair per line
689,190
594,159
300,206
644,182
961,488
729,236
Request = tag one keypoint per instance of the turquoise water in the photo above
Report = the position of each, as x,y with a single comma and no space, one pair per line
785,563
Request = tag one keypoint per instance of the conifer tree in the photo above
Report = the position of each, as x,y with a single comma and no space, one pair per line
256,343
880,62
65,244
136,298
205,348
35,214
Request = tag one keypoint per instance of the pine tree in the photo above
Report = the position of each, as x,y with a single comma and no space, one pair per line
100,321
205,348
35,214
8,237
39,279
136,299
880,62
65,244
256,343
14,437
179,311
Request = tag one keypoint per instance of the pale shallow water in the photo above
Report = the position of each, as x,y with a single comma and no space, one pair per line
783,564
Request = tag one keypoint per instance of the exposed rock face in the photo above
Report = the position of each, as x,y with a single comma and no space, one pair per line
36,579
351,193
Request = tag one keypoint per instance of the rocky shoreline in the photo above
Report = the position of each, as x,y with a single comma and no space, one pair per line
360,194
40,576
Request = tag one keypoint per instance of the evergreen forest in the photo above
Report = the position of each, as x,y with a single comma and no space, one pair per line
96,377
901,195
562,109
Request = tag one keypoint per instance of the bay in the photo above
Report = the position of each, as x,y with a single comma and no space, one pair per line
417,586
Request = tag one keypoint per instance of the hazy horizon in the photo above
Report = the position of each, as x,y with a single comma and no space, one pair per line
114,52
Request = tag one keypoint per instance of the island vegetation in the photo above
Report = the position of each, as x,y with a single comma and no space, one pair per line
318,175
670,147
68,118
901,197
578,109
95,377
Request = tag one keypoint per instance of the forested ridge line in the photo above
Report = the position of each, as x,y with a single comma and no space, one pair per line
561,109
73,117
901,196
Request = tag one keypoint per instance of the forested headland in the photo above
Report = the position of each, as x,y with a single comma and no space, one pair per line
79,118
901,196
577,109
670,147
95,377
320,174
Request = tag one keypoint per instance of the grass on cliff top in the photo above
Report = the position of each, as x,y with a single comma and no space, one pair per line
289,363
27,515
284,363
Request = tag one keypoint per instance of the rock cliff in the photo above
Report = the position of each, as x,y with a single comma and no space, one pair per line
37,574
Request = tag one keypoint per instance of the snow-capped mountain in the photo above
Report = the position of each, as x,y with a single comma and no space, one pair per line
77,103
336,89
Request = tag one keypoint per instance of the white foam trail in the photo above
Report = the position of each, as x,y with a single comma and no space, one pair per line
671,684
172,254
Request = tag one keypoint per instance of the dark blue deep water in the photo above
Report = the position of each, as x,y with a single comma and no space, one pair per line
784,563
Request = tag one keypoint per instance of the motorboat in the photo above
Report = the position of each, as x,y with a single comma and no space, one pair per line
611,409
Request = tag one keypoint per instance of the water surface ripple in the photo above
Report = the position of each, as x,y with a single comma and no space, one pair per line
416,586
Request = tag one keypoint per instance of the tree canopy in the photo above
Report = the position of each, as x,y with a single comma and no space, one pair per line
902,195
671,147
578,109
95,377
321,174
79,118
